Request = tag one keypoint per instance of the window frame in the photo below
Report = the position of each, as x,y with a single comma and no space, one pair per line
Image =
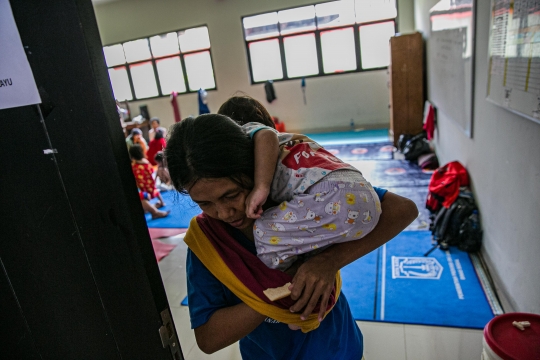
317,32
153,60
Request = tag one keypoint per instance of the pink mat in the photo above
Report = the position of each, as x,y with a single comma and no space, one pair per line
161,249
156,233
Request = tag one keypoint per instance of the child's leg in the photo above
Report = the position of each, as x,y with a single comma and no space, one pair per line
160,202
156,214
286,231
331,212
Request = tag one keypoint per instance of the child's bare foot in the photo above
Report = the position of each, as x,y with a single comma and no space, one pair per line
160,214
159,205
294,327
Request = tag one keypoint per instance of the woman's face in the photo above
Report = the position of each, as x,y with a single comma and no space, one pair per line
135,138
222,199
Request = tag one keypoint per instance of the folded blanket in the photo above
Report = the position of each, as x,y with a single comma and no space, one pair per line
244,274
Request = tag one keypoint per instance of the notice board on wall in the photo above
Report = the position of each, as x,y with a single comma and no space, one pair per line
451,60
514,57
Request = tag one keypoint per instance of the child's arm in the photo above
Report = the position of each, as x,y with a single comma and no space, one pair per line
266,148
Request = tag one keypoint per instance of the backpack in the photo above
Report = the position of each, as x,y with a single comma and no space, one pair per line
428,161
402,141
444,185
416,146
458,225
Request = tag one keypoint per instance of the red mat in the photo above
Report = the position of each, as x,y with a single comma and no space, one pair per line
161,249
156,233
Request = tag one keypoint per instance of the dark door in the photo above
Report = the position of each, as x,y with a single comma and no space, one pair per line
78,276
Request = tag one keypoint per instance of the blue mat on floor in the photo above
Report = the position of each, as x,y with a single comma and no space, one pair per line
397,284
350,137
418,194
392,173
182,208
371,151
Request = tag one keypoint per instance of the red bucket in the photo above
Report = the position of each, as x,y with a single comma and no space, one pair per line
502,340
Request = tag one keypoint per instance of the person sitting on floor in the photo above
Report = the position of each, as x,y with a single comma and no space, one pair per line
142,170
136,138
158,144
162,171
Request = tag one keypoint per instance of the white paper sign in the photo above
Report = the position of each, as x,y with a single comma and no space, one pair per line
17,84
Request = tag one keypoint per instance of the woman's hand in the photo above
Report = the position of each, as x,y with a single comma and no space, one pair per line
312,282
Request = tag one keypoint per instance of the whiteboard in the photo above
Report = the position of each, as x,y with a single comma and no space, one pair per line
514,57
451,60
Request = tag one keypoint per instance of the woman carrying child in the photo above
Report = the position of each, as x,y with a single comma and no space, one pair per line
212,159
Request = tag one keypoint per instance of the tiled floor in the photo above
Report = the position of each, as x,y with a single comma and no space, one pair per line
382,341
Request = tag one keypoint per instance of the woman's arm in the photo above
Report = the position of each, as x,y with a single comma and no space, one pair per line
314,279
226,326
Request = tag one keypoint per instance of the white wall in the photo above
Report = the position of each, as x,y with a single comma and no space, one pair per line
332,101
503,160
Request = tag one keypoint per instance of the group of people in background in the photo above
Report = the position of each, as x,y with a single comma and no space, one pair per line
144,158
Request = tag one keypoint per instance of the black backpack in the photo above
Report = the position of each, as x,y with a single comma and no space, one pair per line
416,146
458,225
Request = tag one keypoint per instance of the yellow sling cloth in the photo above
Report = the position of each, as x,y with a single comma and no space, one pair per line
201,246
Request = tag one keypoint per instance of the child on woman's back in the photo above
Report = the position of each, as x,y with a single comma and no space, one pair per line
142,170
321,199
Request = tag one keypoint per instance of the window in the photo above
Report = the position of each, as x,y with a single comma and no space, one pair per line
322,39
158,65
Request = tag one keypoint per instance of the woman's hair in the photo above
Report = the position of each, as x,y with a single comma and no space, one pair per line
136,152
244,109
159,157
159,135
209,146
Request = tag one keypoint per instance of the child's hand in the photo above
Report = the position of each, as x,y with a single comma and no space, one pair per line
254,202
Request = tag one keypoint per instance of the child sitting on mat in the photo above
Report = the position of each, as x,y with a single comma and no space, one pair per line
322,200
162,172
143,170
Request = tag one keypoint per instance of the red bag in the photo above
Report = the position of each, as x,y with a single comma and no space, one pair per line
444,185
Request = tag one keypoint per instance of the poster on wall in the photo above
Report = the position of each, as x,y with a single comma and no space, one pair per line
514,57
17,84
451,60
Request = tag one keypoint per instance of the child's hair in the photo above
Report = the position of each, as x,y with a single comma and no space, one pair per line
244,109
209,146
136,152
159,135
155,119
159,157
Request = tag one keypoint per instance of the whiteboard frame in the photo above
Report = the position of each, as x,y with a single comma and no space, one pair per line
514,111
469,83
488,85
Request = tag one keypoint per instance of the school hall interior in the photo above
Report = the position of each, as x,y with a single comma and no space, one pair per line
78,254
